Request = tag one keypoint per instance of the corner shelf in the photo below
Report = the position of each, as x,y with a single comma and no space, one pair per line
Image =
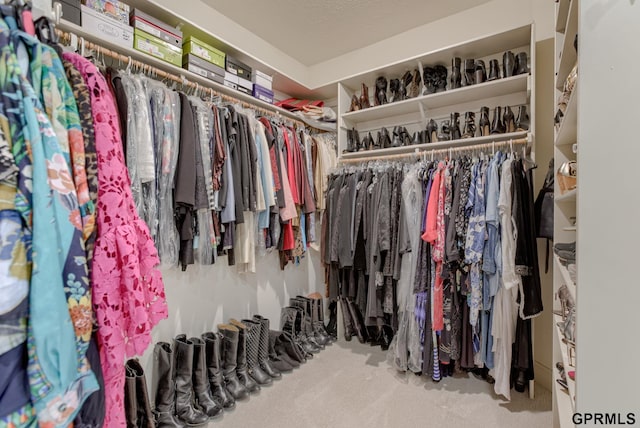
569,56
568,132
561,15
564,272
425,148
565,361
570,196
496,88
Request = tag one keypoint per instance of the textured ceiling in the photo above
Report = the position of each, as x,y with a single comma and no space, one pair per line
313,31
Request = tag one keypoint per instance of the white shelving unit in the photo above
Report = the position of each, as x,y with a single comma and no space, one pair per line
564,404
414,113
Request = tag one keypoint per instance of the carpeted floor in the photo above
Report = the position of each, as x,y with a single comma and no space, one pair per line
351,385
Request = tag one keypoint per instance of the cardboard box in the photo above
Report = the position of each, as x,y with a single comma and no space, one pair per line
203,72
106,28
229,77
156,47
261,79
247,84
199,62
71,11
263,94
112,8
196,47
238,68
156,28
245,90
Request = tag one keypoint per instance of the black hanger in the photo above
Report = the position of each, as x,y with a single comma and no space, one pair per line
46,33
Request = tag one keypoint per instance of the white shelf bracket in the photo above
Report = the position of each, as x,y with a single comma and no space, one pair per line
423,113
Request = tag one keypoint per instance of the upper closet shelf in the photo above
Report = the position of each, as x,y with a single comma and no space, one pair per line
452,97
568,56
172,69
561,15
568,132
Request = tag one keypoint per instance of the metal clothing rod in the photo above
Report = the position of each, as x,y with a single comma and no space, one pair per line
426,152
65,38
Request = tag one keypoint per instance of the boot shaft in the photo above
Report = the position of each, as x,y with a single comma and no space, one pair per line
163,376
241,359
229,348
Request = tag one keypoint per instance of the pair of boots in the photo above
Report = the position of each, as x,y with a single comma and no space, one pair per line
137,408
353,321
303,321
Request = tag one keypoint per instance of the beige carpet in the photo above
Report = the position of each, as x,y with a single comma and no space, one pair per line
351,385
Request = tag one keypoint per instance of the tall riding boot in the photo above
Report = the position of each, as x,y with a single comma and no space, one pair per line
306,332
311,317
144,415
242,370
497,127
349,330
263,349
356,316
456,75
164,386
186,411
230,339
280,362
287,347
318,316
201,386
130,399
289,324
214,370
332,325
253,348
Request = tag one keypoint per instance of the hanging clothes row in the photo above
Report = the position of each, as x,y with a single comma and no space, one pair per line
441,256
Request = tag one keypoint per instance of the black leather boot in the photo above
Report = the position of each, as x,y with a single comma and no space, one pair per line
432,131
164,386
351,147
230,338
332,325
522,121
445,131
441,78
263,349
214,370
201,386
418,137
397,141
291,321
494,70
508,64
404,86
509,120
469,125
394,88
287,347
484,122
186,410
455,126
481,72
253,350
404,136
243,369
469,72
381,91
349,330
521,64
428,75
358,321
497,127
307,329
385,138
283,364
356,140
317,318
456,75
130,399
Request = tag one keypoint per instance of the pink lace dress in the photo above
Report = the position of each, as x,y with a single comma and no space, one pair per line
128,293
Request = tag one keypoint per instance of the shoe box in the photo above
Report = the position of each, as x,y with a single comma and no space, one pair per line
156,47
71,11
114,9
105,27
156,28
238,68
203,68
231,80
196,47
263,94
261,79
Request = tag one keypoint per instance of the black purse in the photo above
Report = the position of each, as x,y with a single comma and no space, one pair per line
544,210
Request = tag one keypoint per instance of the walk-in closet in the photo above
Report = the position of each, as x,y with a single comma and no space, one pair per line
318,214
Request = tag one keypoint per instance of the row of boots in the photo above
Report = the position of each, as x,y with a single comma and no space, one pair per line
504,121
463,73
354,325
195,379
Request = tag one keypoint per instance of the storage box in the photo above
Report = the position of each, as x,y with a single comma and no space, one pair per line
263,94
261,79
156,47
71,11
247,84
156,28
245,90
199,62
203,72
196,47
230,85
229,77
238,68
113,8
106,28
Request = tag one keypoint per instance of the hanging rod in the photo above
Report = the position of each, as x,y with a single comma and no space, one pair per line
65,38
425,152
